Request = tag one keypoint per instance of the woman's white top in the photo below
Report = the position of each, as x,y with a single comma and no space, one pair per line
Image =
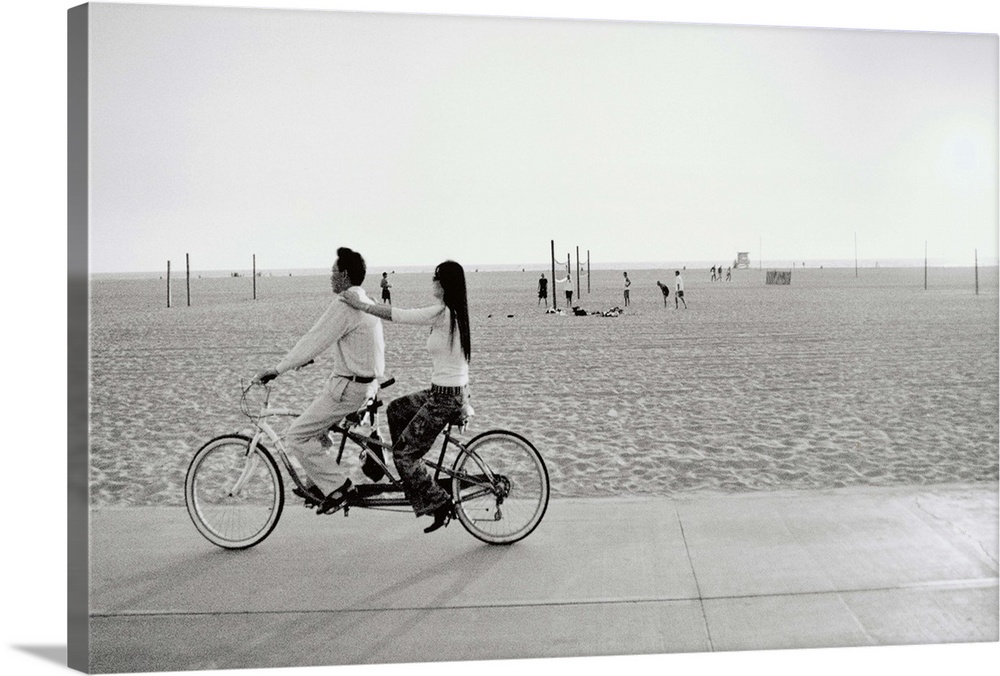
450,369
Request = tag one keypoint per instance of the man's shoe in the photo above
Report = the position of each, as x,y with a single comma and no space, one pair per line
442,515
312,495
336,499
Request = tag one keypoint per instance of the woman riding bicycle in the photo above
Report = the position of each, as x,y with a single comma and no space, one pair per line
416,420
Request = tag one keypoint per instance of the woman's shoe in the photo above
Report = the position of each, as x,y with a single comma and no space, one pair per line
442,515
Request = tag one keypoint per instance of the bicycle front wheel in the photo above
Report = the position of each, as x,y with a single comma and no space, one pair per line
234,494
500,487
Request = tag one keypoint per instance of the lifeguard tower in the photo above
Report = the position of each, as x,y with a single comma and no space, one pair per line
742,259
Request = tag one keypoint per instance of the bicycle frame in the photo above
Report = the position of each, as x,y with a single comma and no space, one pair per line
438,467
235,490
346,430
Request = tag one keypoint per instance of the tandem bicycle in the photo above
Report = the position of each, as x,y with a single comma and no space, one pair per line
235,493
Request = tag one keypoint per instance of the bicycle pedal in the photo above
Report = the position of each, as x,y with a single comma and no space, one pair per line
340,508
332,505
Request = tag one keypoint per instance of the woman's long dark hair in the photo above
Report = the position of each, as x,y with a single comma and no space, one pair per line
451,277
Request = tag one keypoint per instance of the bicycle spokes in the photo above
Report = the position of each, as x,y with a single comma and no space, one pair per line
502,487
234,499
253,460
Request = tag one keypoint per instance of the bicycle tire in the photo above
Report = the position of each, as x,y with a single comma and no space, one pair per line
234,520
512,511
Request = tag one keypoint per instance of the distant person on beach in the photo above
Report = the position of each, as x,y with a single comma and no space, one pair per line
568,282
713,273
729,274
628,283
415,420
666,291
358,362
679,290
543,290
386,296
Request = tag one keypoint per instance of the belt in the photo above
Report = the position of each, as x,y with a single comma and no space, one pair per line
358,379
441,389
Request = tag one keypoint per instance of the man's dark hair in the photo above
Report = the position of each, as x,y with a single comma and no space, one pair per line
353,264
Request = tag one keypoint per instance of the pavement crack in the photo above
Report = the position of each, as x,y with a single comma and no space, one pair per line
858,623
701,600
981,583
958,529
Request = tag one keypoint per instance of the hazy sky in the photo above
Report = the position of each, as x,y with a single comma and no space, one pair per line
225,133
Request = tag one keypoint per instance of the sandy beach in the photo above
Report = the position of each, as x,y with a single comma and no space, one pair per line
835,381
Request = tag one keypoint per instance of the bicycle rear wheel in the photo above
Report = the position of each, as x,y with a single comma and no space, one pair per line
500,487
234,496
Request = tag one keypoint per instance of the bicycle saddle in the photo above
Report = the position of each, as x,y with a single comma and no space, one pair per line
356,417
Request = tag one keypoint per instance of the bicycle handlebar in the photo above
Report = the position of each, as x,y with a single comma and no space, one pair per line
266,379
265,383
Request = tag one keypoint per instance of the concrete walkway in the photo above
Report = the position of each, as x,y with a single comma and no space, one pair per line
849,567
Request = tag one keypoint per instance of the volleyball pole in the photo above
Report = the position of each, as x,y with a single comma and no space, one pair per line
553,259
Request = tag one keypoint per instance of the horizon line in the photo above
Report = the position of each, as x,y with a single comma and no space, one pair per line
611,265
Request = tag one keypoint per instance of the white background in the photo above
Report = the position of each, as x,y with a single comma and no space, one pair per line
33,205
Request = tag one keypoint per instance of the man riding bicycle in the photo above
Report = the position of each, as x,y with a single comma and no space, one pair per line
358,365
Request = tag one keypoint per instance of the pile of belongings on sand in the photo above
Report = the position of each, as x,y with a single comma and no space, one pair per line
580,312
